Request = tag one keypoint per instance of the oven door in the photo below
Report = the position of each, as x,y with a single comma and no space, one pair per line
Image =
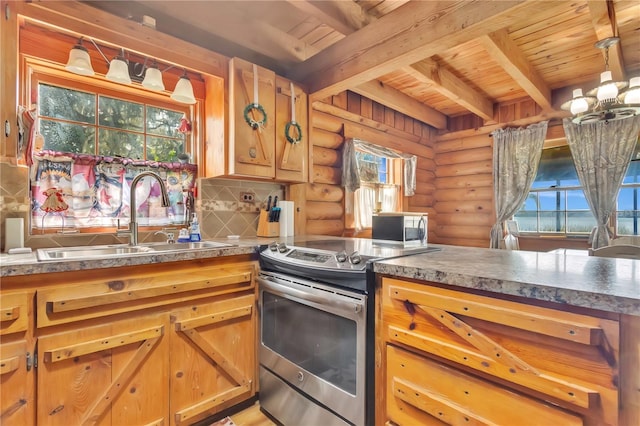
313,338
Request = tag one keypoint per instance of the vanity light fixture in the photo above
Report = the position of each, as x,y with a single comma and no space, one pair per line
184,90
605,102
120,71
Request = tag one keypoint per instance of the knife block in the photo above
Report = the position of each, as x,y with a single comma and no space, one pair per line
266,228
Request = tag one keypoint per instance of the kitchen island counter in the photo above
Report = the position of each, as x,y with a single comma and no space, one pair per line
606,284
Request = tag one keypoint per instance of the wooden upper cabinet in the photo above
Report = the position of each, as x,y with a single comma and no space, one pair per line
251,147
292,136
257,144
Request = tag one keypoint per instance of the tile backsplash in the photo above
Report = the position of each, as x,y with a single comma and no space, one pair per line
223,211
221,208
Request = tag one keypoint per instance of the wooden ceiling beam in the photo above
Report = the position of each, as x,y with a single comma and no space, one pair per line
603,18
509,56
346,17
392,98
447,84
408,34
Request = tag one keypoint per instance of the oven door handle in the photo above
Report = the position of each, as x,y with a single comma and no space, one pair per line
310,295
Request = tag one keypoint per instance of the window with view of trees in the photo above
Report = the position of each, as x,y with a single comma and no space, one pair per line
81,122
556,203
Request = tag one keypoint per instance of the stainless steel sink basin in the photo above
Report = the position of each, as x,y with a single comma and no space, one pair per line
108,251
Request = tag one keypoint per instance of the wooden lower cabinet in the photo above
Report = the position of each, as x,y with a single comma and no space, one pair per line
148,345
17,376
112,374
213,357
450,357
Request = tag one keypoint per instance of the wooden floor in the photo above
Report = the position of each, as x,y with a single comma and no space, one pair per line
251,416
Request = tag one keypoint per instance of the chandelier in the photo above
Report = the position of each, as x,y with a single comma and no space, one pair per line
609,101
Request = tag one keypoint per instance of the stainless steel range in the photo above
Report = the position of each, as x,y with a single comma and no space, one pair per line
316,351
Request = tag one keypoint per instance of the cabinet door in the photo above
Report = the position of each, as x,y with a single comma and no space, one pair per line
213,357
16,375
112,374
292,153
16,381
251,149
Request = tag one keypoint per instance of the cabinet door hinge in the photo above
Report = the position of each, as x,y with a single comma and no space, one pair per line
32,360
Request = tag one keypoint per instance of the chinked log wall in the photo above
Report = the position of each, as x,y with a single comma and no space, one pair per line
348,115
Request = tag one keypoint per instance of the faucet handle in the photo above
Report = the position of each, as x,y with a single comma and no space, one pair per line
170,235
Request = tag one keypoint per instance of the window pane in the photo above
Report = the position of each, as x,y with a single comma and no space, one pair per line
552,221
121,114
580,222
553,200
628,198
163,122
527,221
123,144
531,203
576,200
556,168
628,222
164,149
66,137
66,104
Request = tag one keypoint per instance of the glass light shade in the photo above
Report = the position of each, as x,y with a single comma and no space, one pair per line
79,61
184,91
579,103
632,96
607,89
153,79
119,71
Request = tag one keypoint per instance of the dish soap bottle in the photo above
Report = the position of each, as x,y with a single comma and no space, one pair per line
194,233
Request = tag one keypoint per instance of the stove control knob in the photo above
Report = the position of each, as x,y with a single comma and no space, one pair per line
355,258
282,247
273,246
341,257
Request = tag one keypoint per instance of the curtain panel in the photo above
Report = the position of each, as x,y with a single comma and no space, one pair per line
71,190
351,174
602,152
516,155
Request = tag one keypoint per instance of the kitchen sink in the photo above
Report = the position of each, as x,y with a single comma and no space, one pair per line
108,251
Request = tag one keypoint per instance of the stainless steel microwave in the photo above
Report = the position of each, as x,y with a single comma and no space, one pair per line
402,227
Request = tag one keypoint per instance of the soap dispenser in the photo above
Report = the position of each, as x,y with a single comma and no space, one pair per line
194,233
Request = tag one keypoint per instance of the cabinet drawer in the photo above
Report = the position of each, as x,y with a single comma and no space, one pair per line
14,312
568,359
443,394
126,293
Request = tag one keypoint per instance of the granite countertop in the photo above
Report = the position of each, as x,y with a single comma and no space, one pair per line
593,282
28,264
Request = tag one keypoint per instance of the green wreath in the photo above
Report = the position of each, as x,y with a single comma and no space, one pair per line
250,121
293,140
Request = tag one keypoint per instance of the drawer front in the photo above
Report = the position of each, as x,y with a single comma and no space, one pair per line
443,394
14,312
564,358
124,293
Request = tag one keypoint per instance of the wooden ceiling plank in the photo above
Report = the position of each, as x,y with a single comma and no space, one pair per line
402,37
446,83
507,53
394,99
603,18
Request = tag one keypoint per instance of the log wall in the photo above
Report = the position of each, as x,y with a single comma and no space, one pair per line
321,202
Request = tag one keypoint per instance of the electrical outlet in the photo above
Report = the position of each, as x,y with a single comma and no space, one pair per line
248,197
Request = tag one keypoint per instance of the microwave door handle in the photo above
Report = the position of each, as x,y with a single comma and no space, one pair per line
422,229
307,295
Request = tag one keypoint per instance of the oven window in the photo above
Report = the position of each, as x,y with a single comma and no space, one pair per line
320,342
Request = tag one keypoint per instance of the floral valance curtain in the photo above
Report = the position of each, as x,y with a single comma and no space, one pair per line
351,173
70,190
601,152
516,155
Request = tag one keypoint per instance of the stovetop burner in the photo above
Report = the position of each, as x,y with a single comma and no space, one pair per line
342,262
